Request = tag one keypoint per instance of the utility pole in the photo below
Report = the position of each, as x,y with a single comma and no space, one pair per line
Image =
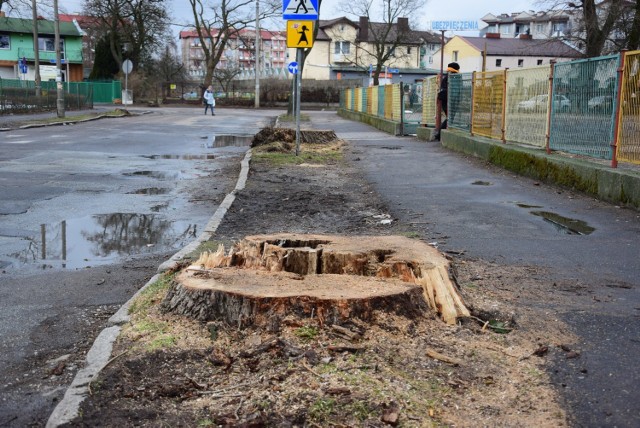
36,51
60,99
257,97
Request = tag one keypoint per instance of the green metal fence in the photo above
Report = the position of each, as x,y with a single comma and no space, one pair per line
460,100
582,109
107,92
19,96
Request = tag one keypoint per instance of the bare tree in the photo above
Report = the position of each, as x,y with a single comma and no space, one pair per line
383,35
23,8
217,24
603,26
136,28
224,76
634,34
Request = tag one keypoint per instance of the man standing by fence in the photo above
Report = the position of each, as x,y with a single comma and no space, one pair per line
443,94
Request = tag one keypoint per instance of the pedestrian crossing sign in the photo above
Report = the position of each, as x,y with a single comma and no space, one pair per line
300,34
300,9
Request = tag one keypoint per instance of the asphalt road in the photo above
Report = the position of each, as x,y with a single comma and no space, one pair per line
487,213
88,212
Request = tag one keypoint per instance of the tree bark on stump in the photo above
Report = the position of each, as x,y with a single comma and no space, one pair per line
329,277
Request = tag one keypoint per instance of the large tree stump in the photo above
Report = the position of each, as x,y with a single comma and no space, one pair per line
329,277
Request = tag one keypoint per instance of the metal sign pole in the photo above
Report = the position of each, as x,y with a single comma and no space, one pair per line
298,90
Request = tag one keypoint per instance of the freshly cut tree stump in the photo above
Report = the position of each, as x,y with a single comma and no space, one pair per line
330,278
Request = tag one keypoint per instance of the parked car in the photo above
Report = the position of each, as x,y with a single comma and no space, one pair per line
602,103
193,95
539,102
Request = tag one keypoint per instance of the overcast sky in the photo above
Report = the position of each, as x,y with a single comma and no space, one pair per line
435,10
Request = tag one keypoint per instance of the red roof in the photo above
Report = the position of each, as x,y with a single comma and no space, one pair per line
264,34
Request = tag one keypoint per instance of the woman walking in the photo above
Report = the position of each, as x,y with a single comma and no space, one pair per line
209,100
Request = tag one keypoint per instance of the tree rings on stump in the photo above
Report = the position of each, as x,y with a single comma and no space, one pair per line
331,278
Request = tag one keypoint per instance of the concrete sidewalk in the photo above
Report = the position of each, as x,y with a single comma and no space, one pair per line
592,176
464,204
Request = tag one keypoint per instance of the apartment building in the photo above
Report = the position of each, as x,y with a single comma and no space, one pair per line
239,53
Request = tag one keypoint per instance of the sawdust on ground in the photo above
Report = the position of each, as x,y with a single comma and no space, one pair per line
489,370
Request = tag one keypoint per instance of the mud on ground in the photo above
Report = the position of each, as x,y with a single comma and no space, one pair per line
487,371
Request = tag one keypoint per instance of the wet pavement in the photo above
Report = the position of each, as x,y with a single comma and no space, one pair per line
466,206
88,212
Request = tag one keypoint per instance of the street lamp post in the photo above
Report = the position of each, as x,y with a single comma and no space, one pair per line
60,91
36,47
257,97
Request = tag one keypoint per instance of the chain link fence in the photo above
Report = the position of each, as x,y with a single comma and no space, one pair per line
488,98
629,128
582,110
585,107
460,97
527,105
430,87
382,101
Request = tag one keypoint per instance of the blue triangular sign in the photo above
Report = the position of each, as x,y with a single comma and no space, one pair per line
300,9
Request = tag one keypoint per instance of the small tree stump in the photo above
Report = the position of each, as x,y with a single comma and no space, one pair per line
330,278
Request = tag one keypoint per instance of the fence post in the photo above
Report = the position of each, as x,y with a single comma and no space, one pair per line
473,96
618,116
547,136
503,129
401,108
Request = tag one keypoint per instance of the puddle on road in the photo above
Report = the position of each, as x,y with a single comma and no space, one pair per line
482,183
229,140
528,206
183,157
160,175
565,225
149,191
102,239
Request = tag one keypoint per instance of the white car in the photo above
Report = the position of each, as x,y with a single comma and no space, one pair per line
539,103
602,103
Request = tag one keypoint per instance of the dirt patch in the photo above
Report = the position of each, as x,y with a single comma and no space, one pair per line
488,370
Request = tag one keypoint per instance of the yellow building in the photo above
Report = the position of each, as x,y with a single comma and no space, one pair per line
501,53
344,49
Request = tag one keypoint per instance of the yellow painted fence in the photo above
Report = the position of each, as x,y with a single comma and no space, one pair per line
629,122
488,95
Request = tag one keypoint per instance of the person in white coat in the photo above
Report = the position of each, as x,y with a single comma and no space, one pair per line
209,100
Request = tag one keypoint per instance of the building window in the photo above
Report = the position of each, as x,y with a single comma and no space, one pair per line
48,44
505,28
520,62
342,47
408,49
5,41
498,62
430,60
559,27
455,56
539,28
539,62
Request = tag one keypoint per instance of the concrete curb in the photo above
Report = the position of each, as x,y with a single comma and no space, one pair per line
388,126
71,121
100,352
